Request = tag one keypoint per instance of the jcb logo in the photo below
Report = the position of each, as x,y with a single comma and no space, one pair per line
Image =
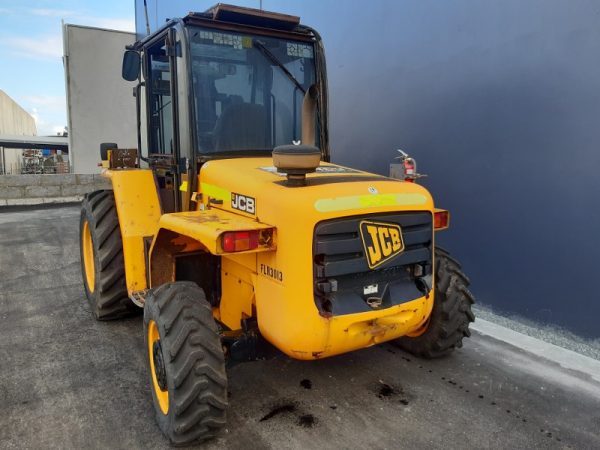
243,203
382,241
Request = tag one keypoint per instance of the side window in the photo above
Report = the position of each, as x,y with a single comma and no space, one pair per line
161,114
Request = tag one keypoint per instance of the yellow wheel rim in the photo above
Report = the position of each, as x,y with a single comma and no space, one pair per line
155,356
88,256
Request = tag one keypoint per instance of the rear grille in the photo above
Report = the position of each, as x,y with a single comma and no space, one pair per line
339,260
339,249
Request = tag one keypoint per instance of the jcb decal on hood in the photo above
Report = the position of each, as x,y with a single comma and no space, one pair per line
243,203
382,241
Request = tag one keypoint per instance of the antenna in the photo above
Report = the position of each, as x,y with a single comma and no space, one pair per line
146,13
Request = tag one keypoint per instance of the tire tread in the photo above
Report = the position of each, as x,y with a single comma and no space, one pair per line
109,300
451,314
195,359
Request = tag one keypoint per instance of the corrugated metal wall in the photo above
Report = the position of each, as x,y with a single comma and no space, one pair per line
499,101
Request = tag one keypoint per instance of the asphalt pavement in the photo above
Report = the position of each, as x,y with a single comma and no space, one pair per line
67,381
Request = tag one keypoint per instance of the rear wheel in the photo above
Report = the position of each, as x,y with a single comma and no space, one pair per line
102,265
186,363
449,321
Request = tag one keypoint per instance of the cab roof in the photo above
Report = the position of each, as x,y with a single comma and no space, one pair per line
250,16
231,17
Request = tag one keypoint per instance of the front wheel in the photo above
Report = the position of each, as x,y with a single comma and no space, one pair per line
449,321
186,363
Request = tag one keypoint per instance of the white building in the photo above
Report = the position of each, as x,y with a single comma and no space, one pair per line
100,104
14,121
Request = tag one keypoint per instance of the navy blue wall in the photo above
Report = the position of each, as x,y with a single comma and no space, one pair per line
499,101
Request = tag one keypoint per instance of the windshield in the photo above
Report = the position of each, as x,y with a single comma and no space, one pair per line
248,90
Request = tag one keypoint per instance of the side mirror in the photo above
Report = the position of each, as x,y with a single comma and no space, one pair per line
131,65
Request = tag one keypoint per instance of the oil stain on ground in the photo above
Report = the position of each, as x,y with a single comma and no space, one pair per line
291,411
278,410
307,420
306,384
387,391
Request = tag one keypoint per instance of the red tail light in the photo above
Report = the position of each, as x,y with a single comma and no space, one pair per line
441,219
239,241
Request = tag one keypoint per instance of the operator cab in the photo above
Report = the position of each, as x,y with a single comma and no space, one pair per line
229,82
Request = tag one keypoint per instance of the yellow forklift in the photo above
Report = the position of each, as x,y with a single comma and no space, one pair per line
232,230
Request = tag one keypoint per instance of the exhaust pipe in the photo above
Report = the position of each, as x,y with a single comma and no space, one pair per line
309,116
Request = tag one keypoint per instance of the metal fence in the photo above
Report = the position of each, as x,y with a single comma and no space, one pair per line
34,162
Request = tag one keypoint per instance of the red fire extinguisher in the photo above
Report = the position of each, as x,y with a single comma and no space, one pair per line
408,167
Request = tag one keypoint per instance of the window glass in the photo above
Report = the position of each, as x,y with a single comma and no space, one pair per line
244,99
161,114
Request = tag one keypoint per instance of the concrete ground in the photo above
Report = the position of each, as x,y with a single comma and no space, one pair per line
68,381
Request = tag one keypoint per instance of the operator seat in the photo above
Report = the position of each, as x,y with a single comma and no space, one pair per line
241,126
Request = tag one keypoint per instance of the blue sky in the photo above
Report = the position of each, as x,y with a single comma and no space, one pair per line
31,35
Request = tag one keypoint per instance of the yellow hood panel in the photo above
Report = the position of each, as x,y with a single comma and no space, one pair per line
332,191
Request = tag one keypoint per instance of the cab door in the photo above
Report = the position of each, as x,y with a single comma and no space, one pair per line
162,113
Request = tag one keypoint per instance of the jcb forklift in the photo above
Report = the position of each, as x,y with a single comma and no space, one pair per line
232,230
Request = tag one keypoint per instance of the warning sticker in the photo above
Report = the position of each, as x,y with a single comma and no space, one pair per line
299,50
233,40
320,169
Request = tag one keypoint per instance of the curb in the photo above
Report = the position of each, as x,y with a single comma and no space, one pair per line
40,201
567,359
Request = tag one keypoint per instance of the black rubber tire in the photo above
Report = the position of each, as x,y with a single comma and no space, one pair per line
451,314
109,298
194,362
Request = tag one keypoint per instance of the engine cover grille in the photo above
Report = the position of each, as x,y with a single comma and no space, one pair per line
342,267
